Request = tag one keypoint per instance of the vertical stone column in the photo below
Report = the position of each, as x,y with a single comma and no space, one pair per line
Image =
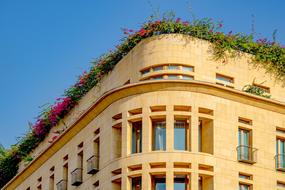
169,176
169,128
125,179
146,179
125,140
194,130
195,177
146,130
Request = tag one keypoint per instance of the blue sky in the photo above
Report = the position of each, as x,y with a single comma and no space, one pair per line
45,45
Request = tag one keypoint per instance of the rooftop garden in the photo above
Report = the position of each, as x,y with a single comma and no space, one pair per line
266,54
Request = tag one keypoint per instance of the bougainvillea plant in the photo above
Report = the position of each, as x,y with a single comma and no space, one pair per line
269,55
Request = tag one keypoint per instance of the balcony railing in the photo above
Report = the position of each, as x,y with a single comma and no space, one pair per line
61,185
76,177
246,154
93,165
280,162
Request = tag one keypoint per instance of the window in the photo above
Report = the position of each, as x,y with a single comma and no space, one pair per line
206,182
281,184
145,71
244,144
224,78
137,183
245,176
244,186
188,68
172,77
157,77
280,154
187,77
181,134
173,67
158,68
158,183
181,182
137,137
159,135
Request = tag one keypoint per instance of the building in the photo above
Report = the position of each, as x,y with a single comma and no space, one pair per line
168,117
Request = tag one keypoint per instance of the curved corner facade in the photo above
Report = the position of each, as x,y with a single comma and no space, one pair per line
168,117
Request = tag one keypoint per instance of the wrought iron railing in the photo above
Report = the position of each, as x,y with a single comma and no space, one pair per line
76,177
93,165
280,162
61,185
246,154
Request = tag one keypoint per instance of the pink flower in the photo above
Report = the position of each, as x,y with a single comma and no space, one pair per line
211,31
186,23
220,25
142,32
178,20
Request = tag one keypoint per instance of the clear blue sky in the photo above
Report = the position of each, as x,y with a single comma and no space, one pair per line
45,45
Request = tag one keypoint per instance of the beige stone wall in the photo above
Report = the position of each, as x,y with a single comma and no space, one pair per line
219,169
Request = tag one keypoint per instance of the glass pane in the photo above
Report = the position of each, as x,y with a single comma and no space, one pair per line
159,68
186,77
180,135
136,183
180,183
159,136
173,67
172,77
137,137
159,184
187,68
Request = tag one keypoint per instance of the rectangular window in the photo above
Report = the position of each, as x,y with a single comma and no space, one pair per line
137,183
280,154
224,78
244,142
173,67
244,186
187,77
158,183
137,137
181,182
181,134
158,68
159,135
281,184
157,77
188,68
172,76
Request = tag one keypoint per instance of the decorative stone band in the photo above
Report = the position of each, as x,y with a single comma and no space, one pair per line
139,88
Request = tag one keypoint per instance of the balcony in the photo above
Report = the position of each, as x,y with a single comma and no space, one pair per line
76,177
246,154
61,185
280,162
93,165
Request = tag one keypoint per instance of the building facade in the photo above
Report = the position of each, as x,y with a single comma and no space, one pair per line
168,117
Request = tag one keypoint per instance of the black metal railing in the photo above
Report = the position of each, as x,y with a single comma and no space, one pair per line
280,162
246,154
76,177
61,185
93,165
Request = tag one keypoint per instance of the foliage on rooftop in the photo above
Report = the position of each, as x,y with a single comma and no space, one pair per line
266,54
